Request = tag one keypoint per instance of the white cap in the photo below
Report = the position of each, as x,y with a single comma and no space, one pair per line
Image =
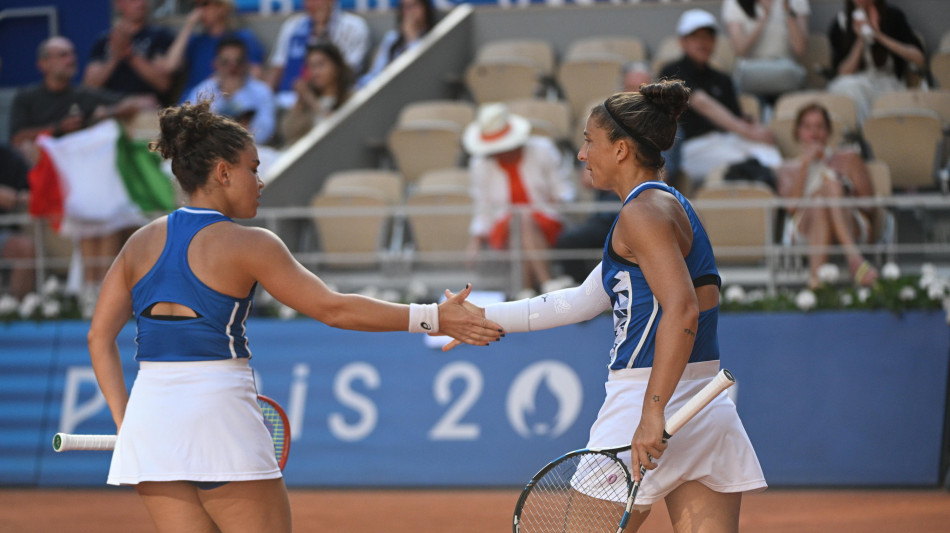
695,19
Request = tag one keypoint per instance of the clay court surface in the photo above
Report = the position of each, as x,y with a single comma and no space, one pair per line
480,511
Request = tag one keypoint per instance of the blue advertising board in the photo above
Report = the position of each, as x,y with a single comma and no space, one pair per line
826,398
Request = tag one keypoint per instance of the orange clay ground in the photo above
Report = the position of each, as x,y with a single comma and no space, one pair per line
481,511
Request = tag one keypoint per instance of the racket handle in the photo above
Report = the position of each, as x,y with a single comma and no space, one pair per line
63,442
723,380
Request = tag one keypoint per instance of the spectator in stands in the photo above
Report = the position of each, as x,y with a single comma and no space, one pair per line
635,74
714,132
197,51
510,167
323,21
14,243
768,37
824,172
55,106
326,87
235,93
414,19
128,58
873,49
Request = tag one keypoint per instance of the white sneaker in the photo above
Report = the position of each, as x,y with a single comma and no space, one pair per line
525,293
558,283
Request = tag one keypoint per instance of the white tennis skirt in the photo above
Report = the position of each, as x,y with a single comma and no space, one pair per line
193,421
712,448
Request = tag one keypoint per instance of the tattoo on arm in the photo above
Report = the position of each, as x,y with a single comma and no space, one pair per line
656,398
689,332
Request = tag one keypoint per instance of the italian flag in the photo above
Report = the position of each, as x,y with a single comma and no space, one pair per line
97,181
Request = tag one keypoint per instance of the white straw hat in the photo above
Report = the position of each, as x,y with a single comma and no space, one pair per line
495,131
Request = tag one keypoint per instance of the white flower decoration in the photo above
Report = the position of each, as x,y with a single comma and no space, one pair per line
806,300
755,296
863,294
907,293
846,299
735,294
8,304
52,286
829,273
890,271
937,289
29,304
51,308
286,312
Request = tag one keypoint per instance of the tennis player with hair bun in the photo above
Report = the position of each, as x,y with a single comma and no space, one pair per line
658,276
191,437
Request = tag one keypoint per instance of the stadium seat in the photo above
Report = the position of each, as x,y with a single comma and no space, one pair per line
908,141
457,111
583,80
424,145
738,234
627,49
551,118
365,233
440,231
841,108
500,81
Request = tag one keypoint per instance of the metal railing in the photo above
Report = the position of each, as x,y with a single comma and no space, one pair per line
395,263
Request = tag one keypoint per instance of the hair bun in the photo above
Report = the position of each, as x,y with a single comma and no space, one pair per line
671,95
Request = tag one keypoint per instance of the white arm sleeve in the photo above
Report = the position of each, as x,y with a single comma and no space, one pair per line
558,308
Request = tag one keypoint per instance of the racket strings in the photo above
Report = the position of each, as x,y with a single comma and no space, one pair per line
275,425
583,493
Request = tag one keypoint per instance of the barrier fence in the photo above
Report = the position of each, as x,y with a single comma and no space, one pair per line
917,230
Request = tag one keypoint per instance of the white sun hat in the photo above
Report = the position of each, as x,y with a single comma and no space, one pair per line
495,131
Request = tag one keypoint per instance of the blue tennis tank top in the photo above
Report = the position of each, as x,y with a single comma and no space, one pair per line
219,332
636,310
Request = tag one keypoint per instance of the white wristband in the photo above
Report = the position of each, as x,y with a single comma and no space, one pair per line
423,318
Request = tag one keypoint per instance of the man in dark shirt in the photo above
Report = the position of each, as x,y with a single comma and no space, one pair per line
713,131
126,59
14,244
56,106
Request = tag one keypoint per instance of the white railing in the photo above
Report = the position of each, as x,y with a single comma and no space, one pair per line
395,263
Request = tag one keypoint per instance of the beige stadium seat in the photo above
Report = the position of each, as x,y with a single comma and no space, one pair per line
841,107
457,111
444,177
387,183
589,79
909,142
425,145
783,130
369,190
628,49
536,52
940,69
723,58
440,231
751,107
738,234
817,60
500,81
882,223
548,117
937,101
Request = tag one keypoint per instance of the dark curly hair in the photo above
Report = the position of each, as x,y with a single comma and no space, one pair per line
195,139
648,117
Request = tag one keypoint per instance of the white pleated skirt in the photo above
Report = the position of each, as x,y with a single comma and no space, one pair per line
713,448
193,421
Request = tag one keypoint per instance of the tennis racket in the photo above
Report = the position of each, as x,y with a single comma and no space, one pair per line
274,418
591,490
